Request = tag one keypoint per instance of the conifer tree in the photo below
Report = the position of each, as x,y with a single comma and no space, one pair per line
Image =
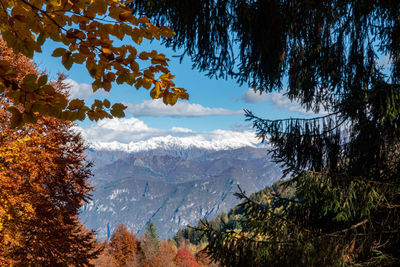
338,57
151,231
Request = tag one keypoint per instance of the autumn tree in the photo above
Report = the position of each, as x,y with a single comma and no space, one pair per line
167,252
185,258
105,258
123,246
151,232
153,255
125,250
149,252
339,57
91,33
43,183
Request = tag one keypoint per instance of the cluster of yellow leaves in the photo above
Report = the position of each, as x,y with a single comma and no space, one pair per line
87,30
43,177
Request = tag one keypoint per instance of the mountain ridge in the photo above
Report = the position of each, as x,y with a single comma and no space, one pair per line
176,143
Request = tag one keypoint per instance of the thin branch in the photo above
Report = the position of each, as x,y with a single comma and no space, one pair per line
241,194
45,13
250,114
347,229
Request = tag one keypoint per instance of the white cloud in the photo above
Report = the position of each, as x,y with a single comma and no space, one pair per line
279,100
253,97
156,108
122,130
283,102
131,134
80,90
181,130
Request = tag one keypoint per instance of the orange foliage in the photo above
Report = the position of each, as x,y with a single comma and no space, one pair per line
167,252
86,30
124,246
43,183
105,259
125,250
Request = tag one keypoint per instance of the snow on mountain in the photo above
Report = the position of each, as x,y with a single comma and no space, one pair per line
225,141
133,135
172,176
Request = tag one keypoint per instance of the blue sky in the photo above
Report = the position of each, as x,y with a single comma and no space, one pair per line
209,98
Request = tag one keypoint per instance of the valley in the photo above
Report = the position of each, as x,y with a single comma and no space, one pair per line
172,187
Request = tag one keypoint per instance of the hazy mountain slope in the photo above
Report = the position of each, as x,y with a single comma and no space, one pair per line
172,191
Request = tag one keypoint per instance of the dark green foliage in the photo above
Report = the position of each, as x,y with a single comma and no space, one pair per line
151,232
234,219
344,165
323,47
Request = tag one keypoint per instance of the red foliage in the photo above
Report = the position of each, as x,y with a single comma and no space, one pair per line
185,258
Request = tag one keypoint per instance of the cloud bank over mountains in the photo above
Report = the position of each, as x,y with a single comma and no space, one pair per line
155,108
133,135
152,108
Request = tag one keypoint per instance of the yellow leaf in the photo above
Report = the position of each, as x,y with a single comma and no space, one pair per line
106,103
76,104
146,82
117,110
58,52
156,92
106,51
125,15
42,80
79,58
106,85
67,60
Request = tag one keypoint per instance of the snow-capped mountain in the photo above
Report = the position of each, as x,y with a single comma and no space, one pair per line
133,135
180,143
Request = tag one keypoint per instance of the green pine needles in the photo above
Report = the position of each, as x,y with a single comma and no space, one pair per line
337,57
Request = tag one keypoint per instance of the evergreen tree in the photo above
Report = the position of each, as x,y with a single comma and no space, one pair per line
344,165
151,231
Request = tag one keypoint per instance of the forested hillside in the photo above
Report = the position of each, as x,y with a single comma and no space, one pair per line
234,220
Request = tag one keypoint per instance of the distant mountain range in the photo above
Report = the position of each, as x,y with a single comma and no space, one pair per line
173,185
188,142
